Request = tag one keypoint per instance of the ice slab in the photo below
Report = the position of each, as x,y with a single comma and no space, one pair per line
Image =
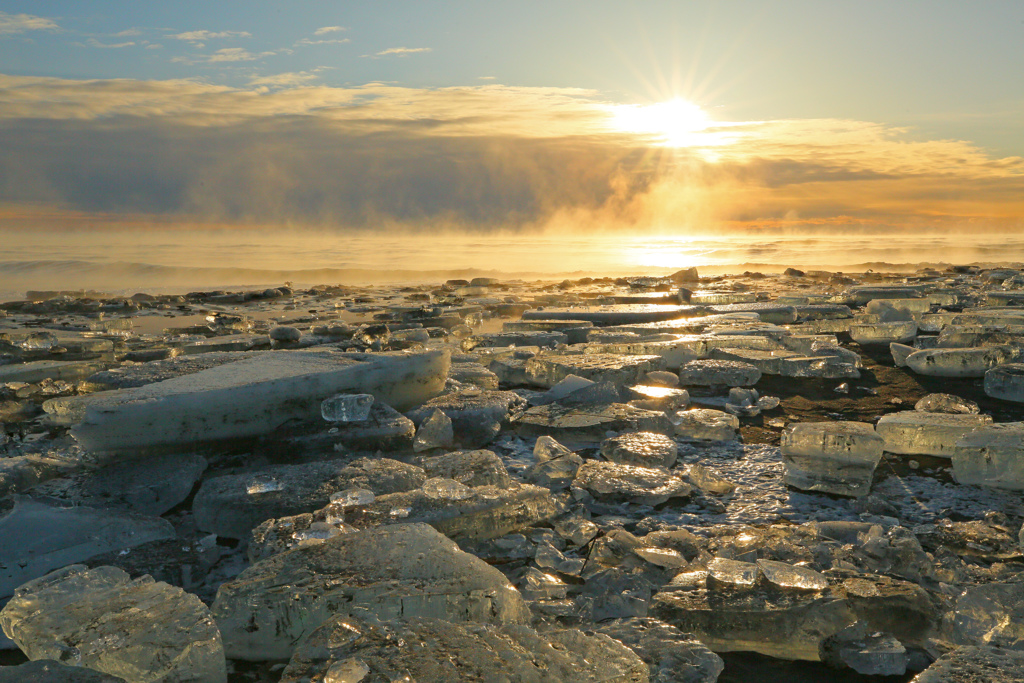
549,370
992,455
149,487
621,314
233,505
590,423
1006,382
768,362
609,481
140,630
975,665
912,432
474,374
989,614
967,362
646,449
664,399
673,656
436,651
705,424
833,457
253,397
21,472
435,432
870,654
36,371
719,372
898,332
398,571
36,538
51,671
787,576
472,468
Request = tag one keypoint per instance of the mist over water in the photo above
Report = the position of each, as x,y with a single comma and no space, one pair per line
164,260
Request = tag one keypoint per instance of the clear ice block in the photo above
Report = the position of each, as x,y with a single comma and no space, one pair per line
346,407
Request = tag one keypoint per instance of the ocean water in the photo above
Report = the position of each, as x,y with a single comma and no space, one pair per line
169,260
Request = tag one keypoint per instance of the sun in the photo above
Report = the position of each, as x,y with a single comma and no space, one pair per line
675,123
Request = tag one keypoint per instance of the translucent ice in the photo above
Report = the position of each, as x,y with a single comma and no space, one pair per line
968,362
434,432
834,457
947,403
718,372
784,575
1006,382
140,630
646,449
705,424
992,455
346,407
732,572
914,432
871,654
441,488
616,482
353,497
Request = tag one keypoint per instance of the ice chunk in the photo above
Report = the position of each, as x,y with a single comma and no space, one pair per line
834,457
474,374
36,538
829,367
354,497
969,362
718,372
140,630
992,455
434,432
990,614
565,387
662,557
871,654
556,472
252,397
549,370
546,448
402,570
899,332
743,402
440,488
947,403
434,650
708,481
21,472
37,371
346,407
1006,382
477,416
723,571
232,505
914,432
645,485
536,585
658,398
706,424
472,468
646,449
782,575
900,352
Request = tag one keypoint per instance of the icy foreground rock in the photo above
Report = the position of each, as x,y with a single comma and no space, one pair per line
404,570
436,651
140,630
673,656
834,457
50,671
36,538
253,397
975,665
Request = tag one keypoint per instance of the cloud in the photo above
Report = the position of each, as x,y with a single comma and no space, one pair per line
284,80
200,36
324,30
227,54
286,151
127,33
154,46
331,41
92,42
11,24
401,51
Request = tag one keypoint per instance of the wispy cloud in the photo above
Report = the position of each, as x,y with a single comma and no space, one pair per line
200,36
227,54
400,51
284,80
324,30
327,41
127,33
11,24
92,42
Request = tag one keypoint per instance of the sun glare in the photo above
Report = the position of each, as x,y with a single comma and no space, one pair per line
676,123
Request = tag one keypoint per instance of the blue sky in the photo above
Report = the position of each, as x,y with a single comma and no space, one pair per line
943,77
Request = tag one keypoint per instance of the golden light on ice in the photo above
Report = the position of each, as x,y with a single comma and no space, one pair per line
676,123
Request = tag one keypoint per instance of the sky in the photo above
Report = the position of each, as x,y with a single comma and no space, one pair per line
780,114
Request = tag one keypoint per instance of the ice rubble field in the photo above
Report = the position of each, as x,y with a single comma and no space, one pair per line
633,479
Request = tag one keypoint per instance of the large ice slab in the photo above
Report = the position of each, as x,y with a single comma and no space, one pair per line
620,314
36,538
1006,382
590,423
348,650
610,481
477,415
673,656
399,571
913,432
232,505
253,397
549,370
139,629
992,455
833,457
965,362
